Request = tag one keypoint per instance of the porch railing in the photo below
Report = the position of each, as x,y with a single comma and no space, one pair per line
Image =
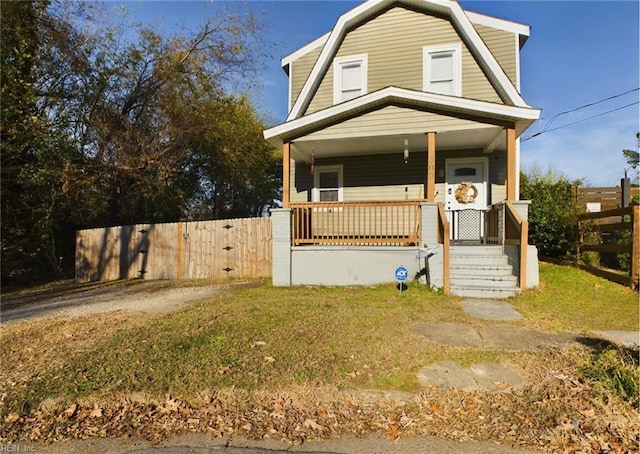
443,238
356,223
516,232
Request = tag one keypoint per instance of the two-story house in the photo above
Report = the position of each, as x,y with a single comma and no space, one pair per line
401,148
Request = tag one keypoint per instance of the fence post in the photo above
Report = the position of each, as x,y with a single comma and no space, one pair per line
635,248
180,250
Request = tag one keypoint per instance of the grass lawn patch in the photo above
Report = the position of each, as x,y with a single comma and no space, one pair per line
294,363
571,299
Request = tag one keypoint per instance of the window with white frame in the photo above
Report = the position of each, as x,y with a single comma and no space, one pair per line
327,184
349,77
443,69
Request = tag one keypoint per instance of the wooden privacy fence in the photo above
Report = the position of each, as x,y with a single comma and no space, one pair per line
181,250
602,198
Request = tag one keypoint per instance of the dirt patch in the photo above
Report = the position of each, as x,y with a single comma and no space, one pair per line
141,296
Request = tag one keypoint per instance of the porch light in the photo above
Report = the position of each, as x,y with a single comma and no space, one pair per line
406,150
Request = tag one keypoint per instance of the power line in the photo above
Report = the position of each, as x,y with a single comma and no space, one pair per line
553,118
578,121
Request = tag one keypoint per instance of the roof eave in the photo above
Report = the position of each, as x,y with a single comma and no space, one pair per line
523,116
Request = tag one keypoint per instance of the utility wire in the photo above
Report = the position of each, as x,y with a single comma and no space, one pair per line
553,118
578,121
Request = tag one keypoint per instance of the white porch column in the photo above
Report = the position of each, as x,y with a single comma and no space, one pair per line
281,253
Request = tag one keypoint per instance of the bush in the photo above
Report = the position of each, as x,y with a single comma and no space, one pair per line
551,200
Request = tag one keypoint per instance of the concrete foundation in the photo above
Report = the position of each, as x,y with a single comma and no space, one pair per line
361,265
513,254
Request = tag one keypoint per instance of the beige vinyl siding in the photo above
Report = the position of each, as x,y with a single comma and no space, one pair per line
392,120
300,70
502,45
394,44
387,177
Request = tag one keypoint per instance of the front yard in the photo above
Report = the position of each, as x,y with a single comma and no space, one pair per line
298,363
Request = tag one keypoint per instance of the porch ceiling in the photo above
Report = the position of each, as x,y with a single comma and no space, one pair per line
488,138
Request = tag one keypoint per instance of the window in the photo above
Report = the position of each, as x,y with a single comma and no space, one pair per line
327,184
442,69
349,77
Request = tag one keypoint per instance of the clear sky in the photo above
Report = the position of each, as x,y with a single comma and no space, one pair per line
578,53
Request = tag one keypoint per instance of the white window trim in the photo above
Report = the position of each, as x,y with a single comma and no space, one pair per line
337,74
316,181
427,51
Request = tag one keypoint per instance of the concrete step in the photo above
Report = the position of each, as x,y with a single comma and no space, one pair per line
484,292
476,250
494,270
474,281
469,260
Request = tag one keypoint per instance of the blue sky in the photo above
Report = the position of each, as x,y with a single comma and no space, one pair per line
579,52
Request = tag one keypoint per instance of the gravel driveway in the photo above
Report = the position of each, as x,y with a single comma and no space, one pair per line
142,296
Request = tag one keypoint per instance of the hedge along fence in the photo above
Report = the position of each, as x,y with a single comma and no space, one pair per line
182,250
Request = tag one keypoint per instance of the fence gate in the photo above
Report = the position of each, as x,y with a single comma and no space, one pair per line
467,226
181,250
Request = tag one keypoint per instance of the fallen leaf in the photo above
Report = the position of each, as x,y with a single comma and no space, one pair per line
70,411
587,413
394,433
311,424
96,412
436,409
11,417
269,359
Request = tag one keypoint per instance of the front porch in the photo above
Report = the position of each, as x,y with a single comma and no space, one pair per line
361,243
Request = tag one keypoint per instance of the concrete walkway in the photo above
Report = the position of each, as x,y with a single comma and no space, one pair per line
498,377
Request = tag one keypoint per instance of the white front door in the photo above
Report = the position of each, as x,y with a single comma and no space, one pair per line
466,188
466,185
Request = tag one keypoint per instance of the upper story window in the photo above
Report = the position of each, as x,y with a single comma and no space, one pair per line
349,77
443,69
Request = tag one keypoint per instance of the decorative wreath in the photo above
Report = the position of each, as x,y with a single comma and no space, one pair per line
466,192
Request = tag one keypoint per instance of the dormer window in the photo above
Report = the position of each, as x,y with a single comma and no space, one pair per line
349,77
443,69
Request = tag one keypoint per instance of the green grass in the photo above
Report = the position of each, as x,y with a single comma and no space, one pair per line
269,338
574,300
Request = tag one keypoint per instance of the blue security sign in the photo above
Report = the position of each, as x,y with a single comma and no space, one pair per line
401,274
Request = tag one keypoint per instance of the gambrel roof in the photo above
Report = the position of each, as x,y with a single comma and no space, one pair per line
372,8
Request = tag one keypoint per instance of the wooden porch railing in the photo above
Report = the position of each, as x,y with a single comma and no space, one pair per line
516,231
443,238
356,223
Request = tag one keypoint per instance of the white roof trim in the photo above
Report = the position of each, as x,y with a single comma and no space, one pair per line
475,18
353,16
389,94
305,50
500,24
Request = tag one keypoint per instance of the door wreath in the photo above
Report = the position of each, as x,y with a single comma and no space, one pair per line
466,192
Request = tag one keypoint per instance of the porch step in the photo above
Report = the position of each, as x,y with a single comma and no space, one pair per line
483,280
477,259
481,272
484,292
476,250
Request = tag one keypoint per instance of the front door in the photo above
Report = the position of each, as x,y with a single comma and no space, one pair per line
466,197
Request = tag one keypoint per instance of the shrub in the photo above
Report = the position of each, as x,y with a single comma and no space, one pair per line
551,200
